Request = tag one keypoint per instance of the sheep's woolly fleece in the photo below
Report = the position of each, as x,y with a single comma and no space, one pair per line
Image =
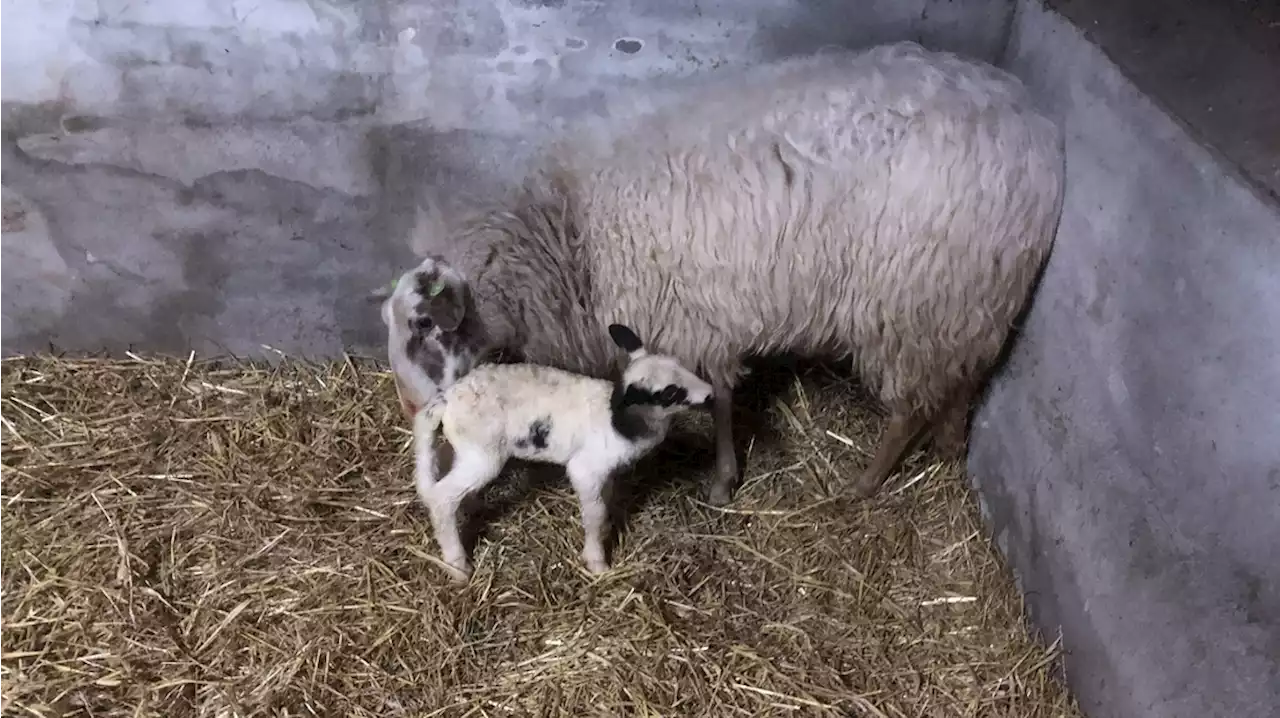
183,538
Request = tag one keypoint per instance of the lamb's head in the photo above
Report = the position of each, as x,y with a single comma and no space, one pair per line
656,381
433,335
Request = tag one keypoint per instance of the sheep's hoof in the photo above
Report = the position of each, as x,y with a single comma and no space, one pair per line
950,445
719,495
867,486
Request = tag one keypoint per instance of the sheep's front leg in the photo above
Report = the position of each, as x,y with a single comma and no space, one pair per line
471,471
592,486
726,478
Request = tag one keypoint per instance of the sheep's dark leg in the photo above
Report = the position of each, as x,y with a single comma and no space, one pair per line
951,429
725,481
902,432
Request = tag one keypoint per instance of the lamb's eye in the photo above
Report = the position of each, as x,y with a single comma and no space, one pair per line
672,394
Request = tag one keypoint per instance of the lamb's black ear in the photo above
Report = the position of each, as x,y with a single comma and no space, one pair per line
626,339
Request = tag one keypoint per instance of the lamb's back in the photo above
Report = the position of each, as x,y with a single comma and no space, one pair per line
500,404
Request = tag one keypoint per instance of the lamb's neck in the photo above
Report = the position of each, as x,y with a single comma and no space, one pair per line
640,424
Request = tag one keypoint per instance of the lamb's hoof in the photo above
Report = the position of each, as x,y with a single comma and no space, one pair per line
719,494
459,572
594,561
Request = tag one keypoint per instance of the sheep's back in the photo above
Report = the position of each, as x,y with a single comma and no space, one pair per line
893,205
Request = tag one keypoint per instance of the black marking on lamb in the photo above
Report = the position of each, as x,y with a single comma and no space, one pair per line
429,344
628,402
422,285
539,430
629,424
425,353
449,305
668,396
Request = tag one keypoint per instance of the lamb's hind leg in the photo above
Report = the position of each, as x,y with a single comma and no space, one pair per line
471,471
899,436
720,492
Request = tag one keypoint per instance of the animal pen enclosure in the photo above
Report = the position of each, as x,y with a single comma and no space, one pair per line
193,538
188,538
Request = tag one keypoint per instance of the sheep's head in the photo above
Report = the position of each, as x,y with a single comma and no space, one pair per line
656,380
432,338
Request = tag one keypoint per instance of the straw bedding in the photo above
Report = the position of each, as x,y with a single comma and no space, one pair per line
187,538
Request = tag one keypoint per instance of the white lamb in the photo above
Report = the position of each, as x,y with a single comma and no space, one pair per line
592,427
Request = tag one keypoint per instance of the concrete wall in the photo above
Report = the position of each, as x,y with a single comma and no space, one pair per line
1128,458
223,175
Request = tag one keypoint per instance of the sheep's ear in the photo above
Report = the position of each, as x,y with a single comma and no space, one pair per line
627,340
446,305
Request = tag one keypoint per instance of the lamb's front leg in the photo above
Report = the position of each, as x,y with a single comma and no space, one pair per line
592,486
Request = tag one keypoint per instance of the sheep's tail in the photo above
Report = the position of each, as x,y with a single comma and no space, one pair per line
425,424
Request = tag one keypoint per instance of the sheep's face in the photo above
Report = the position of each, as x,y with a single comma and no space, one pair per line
657,380
431,341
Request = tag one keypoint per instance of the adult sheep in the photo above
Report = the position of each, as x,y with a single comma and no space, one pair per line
892,205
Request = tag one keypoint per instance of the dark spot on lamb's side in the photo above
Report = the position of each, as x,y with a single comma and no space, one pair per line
628,45
539,430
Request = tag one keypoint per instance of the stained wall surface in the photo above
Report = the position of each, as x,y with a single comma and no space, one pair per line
220,176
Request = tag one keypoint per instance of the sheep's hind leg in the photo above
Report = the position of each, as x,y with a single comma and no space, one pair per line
592,487
471,471
725,480
950,430
902,432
